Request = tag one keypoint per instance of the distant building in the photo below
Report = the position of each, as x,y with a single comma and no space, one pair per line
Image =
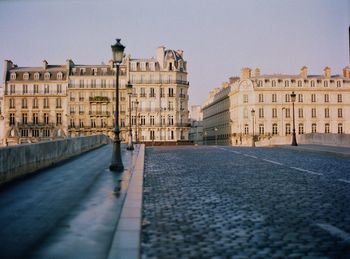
322,106
2,118
196,132
58,101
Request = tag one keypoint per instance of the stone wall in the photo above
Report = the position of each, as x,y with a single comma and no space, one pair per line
23,159
325,139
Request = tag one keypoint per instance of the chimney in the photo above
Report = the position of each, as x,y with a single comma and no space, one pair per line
346,72
246,73
327,72
303,72
8,64
257,72
160,56
44,64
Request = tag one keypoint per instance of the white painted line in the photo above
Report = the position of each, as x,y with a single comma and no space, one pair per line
250,156
334,231
273,162
344,181
306,171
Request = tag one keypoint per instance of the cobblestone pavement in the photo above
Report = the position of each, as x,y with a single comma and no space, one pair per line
228,202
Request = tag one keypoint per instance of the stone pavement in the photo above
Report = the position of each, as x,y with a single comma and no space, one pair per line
332,150
228,202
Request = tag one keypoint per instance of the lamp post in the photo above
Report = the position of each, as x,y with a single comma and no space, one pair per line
216,136
294,139
117,163
129,90
205,137
137,119
253,117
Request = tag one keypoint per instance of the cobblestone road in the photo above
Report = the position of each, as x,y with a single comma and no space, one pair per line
227,202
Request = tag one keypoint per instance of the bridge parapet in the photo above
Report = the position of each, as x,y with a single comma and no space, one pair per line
16,161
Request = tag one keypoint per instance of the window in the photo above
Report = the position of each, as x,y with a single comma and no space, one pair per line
326,112
81,83
286,83
72,123
287,99
143,120
36,89
59,76
81,96
24,132
12,119
274,129
301,112
58,118
143,92
71,96
93,83
245,98
35,133
274,112
261,112
246,129
152,94
133,66
301,128
59,89
340,128
12,103
81,108
13,76
261,98
340,113
12,89
313,113
25,89
326,98
46,118
24,103
46,133
93,123
274,98
273,83
326,128
172,134
170,106
151,120
81,123
36,76
338,83
151,135
24,118
46,89
312,83
103,83
287,129
300,98
170,120
313,98
35,118
300,84
261,129
287,112
171,92
325,83
313,128
340,98
46,103
58,103
25,76
260,83
47,76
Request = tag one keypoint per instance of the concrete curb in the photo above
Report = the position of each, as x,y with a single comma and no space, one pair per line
316,150
126,240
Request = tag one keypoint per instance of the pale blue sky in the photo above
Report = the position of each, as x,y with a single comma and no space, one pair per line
218,37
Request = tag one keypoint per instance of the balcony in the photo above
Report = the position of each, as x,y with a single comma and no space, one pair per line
99,113
181,82
103,99
36,125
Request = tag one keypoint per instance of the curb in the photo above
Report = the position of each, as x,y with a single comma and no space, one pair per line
126,239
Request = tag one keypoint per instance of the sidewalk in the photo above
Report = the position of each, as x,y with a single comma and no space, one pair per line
323,149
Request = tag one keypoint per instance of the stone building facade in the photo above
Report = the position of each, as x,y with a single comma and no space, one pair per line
322,105
58,101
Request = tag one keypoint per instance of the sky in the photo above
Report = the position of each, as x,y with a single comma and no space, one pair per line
218,37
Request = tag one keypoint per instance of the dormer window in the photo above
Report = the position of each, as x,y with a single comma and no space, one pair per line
104,71
133,66
82,71
13,76
36,76
151,66
94,71
25,76
170,66
47,76
59,76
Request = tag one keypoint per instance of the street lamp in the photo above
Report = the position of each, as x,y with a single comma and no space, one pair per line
205,137
253,116
216,136
117,163
294,139
137,119
129,90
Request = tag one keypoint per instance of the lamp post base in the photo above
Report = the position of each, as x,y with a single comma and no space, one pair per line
294,140
117,163
253,142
